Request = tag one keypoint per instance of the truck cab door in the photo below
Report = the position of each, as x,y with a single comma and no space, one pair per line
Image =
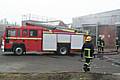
9,39
34,41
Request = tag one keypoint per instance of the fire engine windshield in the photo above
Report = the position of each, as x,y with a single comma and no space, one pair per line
11,32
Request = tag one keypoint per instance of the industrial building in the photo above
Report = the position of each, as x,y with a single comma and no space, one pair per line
106,24
4,23
2,28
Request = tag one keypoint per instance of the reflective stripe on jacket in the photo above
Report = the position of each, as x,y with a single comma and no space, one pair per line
88,53
88,49
98,43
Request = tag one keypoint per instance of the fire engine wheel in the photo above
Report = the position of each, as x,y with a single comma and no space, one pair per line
18,51
63,50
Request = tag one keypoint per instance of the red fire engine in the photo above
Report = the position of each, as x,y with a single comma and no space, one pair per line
40,38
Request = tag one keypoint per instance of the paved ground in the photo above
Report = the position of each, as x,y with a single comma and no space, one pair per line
54,63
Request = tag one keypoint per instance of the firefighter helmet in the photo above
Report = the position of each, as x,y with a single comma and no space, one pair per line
88,38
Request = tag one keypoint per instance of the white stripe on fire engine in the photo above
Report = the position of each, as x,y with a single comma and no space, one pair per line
23,38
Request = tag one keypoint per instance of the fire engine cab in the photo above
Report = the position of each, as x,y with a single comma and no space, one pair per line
29,38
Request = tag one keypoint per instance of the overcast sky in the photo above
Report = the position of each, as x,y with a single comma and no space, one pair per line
58,9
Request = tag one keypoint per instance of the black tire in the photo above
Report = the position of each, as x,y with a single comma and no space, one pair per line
18,50
62,50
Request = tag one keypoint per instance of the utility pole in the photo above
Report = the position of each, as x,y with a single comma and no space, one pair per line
29,16
97,33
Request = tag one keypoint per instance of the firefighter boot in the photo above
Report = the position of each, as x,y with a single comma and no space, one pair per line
86,68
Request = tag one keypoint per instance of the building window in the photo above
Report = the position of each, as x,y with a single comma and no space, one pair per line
33,33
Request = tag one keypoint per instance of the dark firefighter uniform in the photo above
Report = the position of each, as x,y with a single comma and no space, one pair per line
88,50
102,45
99,44
117,44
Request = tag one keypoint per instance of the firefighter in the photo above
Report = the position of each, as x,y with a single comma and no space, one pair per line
117,44
88,50
99,44
102,45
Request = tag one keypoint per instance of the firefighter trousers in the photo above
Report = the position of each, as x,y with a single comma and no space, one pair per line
87,64
99,48
87,61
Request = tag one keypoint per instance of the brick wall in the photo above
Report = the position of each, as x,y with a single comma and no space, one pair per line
109,32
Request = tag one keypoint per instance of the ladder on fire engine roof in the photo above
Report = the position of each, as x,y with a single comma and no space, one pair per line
50,27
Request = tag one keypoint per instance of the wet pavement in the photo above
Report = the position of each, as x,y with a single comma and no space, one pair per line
54,63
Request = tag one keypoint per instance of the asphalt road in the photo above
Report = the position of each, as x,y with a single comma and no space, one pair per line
53,63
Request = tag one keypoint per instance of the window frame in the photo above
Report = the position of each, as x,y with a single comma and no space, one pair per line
24,34
11,34
36,33
18,32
